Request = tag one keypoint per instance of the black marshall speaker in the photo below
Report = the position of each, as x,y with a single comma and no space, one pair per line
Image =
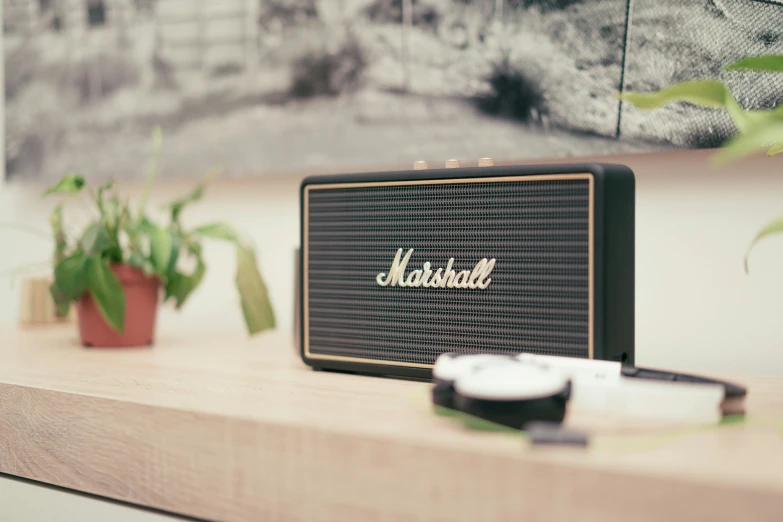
400,267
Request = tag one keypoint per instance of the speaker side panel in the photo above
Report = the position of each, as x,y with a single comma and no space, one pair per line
614,263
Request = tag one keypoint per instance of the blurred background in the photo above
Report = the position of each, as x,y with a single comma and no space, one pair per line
296,86
277,89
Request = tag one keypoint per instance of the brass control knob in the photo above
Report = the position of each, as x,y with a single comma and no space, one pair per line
486,162
452,164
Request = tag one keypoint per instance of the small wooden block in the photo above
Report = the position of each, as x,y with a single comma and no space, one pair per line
36,304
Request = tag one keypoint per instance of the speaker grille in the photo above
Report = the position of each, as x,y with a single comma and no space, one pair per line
539,299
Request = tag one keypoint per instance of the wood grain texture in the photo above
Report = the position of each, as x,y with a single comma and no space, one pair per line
239,429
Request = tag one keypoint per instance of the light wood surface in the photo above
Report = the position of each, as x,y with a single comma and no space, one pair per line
228,428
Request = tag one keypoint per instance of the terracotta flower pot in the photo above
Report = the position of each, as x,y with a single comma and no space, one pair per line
141,308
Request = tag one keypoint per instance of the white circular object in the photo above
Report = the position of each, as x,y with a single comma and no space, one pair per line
511,382
451,366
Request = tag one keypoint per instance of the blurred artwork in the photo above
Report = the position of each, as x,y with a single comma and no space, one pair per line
262,87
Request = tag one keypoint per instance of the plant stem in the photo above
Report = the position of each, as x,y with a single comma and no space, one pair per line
94,196
88,205
151,172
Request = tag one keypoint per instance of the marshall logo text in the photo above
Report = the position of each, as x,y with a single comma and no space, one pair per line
478,278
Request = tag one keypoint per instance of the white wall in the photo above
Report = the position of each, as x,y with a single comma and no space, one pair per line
34,503
696,308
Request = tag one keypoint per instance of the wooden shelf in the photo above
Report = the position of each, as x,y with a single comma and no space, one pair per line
230,428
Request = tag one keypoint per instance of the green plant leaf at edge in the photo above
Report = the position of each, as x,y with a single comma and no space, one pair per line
774,227
254,299
775,149
217,231
70,184
761,136
764,63
705,93
107,292
256,307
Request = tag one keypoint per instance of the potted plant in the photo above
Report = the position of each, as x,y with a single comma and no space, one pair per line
124,263
757,129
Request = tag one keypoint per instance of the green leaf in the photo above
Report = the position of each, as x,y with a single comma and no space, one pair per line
145,226
95,240
746,121
256,307
760,136
137,260
70,276
176,245
706,93
196,194
217,231
160,250
107,292
180,286
766,63
61,301
773,227
70,282
70,184
775,149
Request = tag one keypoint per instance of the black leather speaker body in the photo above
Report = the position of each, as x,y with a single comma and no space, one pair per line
400,267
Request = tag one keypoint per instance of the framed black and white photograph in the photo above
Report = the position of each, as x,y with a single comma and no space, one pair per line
258,87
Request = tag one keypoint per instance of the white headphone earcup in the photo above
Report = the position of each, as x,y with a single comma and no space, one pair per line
513,394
